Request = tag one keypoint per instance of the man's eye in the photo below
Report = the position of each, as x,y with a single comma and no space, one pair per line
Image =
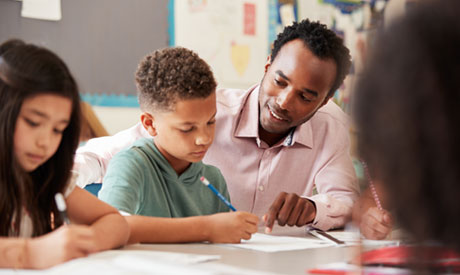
305,98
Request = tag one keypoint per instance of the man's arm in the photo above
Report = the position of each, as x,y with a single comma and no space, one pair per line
92,159
337,190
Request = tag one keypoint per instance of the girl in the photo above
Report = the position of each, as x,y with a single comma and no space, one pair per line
39,132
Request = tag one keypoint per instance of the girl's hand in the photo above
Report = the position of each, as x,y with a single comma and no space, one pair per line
376,224
66,243
231,227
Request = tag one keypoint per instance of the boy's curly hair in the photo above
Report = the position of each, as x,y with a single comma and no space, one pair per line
323,42
171,74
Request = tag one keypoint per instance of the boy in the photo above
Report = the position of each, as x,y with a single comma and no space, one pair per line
160,177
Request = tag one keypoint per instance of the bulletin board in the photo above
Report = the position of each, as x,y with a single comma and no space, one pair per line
232,36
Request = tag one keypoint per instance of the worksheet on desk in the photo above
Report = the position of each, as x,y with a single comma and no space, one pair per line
128,262
269,243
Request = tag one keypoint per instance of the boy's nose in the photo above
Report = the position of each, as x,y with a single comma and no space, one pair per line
205,138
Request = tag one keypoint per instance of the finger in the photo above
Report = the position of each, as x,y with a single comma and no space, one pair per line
273,211
295,213
246,236
252,219
305,215
286,209
376,225
387,218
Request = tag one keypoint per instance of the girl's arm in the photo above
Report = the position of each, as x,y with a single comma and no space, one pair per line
13,252
110,228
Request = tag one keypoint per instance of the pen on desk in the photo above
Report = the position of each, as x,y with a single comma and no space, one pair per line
62,207
320,234
218,194
372,187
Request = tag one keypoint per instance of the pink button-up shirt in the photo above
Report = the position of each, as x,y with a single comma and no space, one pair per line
315,154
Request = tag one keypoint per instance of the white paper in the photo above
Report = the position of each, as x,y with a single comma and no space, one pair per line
354,238
130,262
269,243
42,9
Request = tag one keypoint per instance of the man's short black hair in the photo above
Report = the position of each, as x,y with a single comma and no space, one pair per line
323,42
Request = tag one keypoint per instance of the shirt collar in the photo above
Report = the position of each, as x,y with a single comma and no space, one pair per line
248,123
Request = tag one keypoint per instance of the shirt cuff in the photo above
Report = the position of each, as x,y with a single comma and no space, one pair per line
321,220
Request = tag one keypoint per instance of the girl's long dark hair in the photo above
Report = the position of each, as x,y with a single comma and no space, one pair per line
28,70
408,116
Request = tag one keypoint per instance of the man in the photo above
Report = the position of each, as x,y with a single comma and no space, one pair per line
278,140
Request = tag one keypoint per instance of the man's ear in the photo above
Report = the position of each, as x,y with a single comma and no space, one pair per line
325,101
269,62
148,121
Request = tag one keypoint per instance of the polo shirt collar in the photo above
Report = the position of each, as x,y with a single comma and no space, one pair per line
248,123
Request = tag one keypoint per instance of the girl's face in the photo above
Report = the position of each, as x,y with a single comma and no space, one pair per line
39,128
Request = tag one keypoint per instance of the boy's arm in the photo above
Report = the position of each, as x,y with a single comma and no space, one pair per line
229,227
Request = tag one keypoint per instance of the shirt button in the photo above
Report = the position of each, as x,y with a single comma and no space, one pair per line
261,188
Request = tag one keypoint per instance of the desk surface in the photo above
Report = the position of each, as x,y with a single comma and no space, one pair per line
256,262
139,259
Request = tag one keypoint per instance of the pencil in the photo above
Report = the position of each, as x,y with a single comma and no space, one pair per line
218,194
372,187
62,207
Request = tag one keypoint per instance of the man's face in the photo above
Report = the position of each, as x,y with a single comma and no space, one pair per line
294,87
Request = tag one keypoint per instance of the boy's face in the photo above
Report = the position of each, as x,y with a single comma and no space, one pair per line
39,127
185,134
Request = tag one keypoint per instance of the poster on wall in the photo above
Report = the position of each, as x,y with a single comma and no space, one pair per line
230,35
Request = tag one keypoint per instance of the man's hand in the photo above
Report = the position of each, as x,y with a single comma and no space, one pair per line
289,209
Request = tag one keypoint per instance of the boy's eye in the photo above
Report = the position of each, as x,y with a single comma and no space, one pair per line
211,122
186,130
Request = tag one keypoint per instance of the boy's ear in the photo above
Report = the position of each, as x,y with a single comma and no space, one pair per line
148,121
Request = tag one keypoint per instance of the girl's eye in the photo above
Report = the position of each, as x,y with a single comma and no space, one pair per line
31,123
57,131
211,122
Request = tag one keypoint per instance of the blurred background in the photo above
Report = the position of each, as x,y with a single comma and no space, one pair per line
102,41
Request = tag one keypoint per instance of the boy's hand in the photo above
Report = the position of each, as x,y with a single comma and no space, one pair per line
231,227
289,209
66,243
376,224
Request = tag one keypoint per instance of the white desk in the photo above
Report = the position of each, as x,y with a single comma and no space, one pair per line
139,259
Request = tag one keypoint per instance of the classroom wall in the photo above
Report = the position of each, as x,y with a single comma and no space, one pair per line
101,41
